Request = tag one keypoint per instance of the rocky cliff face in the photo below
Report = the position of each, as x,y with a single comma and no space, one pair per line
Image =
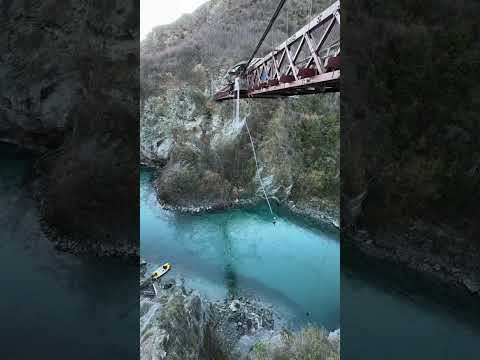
176,323
204,155
410,130
177,326
69,92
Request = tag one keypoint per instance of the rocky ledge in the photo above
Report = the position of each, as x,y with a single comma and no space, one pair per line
448,274
128,252
210,206
179,323
316,212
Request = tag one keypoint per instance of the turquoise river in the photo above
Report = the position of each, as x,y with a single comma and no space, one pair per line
295,267
291,265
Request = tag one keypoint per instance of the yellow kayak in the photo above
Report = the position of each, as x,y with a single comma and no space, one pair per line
162,270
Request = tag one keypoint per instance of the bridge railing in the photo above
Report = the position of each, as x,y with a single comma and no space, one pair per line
313,50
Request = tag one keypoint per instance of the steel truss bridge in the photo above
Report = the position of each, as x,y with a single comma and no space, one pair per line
308,62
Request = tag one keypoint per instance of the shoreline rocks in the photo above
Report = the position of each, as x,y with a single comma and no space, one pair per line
209,207
77,246
217,323
321,216
334,338
177,322
441,274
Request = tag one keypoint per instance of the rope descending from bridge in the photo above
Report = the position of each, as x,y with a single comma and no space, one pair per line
265,33
258,169
237,89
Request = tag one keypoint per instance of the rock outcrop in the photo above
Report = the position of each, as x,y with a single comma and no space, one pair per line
179,324
70,93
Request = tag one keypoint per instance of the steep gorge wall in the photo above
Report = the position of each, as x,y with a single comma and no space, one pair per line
204,155
410,132
69,93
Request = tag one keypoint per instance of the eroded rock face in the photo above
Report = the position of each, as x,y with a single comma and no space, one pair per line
70,92
176,325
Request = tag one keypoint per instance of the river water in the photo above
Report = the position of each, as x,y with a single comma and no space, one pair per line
49,298
293,266
382,319
53,302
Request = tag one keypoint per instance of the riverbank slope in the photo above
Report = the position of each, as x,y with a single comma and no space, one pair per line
177,323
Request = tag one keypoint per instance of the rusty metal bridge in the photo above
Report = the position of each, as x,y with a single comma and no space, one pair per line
308,62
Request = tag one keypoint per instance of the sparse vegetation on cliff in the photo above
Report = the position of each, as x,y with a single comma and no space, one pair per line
195,141
311,343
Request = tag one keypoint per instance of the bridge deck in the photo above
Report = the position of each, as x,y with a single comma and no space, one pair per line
327,82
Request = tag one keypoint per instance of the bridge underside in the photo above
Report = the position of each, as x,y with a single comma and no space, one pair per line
323,83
